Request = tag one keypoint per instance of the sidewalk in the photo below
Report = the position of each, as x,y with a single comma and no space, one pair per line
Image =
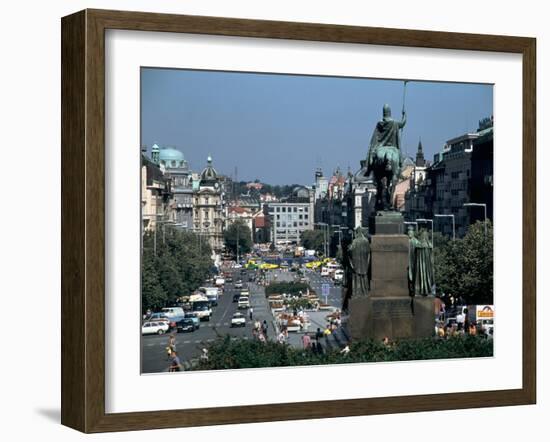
335,341
261,310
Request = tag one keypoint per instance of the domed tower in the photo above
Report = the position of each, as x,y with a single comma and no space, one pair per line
209,176
155,154
209,207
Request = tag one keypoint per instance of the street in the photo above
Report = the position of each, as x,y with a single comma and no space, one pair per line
188,345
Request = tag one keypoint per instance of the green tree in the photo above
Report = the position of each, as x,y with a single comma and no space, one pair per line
152,293
464,267
313,240
174,263
239,234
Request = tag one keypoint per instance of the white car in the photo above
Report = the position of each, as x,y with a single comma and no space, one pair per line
238,320
243,302
154,328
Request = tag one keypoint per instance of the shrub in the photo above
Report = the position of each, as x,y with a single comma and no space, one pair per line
231,353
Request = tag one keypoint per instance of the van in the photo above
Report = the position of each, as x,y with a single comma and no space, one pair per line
212,294
173,312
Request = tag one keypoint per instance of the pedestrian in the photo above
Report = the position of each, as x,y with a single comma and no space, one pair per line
261,337
264,327
175,365
204,355
171,345
318,334
281,338
327,332
306,341
250,312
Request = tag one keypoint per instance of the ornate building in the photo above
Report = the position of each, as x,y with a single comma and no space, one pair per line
172,162
209,207
156,195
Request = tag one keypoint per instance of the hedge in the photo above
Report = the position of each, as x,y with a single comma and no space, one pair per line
231,353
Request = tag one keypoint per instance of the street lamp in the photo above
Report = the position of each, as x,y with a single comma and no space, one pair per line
445,215
325,234
427,220
157,222
484,212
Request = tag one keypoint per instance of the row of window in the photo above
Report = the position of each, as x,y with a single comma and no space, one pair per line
283,209
291,224
294,217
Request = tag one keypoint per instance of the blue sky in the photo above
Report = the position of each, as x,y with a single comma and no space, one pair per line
279,128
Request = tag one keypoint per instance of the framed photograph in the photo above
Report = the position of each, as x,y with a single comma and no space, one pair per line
268,220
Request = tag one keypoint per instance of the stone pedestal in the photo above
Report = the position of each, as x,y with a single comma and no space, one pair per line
388,310
392,317
386,223
389,262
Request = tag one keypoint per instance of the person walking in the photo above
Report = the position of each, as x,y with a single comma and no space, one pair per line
306,341
175,365
250,313
264,328
318,334
171,345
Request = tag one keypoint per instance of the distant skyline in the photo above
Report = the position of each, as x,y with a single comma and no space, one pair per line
280,128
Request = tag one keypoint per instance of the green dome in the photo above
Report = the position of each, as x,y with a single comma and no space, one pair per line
170,157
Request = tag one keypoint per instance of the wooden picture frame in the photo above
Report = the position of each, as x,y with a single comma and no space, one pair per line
83,219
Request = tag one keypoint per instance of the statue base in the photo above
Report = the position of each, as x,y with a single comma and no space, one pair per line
388,310
386,223
392,317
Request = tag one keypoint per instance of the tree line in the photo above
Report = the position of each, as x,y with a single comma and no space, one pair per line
174,263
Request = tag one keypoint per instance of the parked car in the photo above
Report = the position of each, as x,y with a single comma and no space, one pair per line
186,325
338,276
153,327
238,320
244,302
487,325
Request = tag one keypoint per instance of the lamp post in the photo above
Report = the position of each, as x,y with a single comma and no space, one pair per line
484,212
445,215
157,222
325,230
237,223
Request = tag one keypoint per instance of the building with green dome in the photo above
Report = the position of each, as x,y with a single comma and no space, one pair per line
174,166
